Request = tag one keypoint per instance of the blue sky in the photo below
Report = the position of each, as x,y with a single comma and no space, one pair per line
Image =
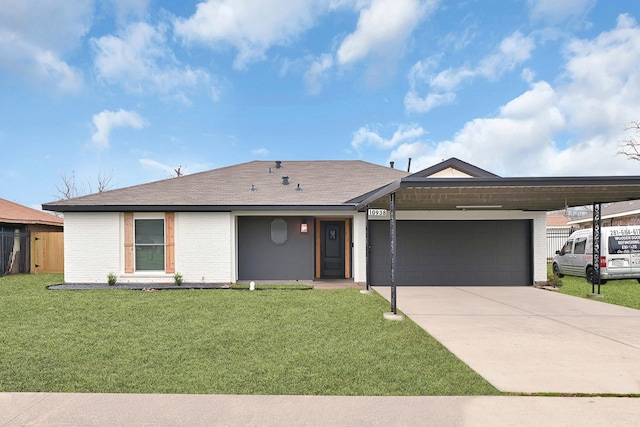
135,88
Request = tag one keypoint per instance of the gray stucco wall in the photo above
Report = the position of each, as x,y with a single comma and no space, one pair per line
259,258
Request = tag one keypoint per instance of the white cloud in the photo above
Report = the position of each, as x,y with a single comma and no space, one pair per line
413,101
317,71
575,128
602,80
366,137
130,9
513,51
106,121
36,35
522,134
260,152
139,59
383,28
250,26
51,25
555,12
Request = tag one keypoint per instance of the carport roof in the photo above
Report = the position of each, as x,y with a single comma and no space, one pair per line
531,194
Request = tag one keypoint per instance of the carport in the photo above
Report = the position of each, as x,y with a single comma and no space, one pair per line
415,193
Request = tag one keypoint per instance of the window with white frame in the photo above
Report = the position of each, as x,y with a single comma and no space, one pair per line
149,244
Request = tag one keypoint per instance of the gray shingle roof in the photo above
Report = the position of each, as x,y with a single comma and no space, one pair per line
322,183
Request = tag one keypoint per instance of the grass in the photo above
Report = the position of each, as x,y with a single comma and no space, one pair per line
619,292
269,286
329,342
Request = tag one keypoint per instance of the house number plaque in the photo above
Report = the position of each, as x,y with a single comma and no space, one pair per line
378,212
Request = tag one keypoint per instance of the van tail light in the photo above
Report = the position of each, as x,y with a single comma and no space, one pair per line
603,261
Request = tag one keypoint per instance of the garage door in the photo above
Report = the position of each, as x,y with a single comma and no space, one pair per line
453,253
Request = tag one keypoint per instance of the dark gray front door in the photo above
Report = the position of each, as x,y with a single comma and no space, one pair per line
332,257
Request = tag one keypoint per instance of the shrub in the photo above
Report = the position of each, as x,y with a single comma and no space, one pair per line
554,281
177,279
112,279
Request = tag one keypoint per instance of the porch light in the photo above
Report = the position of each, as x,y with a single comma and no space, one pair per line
303,226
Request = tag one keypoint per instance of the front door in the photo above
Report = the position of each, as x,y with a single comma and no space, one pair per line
332,254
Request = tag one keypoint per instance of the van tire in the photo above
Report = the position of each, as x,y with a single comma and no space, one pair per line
590,274
556,271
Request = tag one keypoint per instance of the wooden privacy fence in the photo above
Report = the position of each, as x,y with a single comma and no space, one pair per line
47,252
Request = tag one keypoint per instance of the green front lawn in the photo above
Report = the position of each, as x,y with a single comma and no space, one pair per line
620,292
329,342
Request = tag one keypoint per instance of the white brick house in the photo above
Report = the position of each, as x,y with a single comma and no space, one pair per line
309,220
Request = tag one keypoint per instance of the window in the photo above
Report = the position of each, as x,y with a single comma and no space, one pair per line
279,231
581,245
567,248
149,244
629,244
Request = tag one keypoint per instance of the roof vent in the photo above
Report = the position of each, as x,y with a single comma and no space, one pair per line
391,164
278,164
285,180
298,188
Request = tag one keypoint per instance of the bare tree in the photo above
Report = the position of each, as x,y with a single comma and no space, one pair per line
69,189
630,147
103,182
178,171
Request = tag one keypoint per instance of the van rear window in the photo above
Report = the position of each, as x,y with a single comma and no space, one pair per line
624,244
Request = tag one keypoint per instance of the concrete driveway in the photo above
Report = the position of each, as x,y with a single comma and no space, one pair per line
525,339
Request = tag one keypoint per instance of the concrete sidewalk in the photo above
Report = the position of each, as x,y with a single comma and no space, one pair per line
524,339
72,409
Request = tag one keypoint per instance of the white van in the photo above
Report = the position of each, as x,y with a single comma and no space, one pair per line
619,254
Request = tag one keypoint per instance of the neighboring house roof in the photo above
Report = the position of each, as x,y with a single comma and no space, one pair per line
613,210
13,213
253,185
556,220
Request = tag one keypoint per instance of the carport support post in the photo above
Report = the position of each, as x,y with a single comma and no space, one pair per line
392,230
368,258
597,228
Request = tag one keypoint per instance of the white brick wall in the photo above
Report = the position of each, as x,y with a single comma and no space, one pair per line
204,247
539,246
359,253
92,243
